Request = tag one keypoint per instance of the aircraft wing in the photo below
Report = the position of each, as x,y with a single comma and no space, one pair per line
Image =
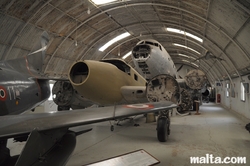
17,125
50,142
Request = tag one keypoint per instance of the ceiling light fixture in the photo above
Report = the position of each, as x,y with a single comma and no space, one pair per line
179,45
187,56
117,38
101,2
126,55
88,11
185,33
190,63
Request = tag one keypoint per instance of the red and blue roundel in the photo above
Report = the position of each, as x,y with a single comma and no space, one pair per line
3,93
140,106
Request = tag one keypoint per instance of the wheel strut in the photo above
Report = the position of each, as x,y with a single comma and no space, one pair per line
163,126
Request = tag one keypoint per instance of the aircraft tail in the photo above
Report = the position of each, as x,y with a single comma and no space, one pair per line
37,55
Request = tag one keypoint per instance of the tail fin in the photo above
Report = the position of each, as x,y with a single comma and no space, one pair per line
37,55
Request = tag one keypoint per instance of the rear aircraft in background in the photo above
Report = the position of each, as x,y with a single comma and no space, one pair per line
21,85
153,62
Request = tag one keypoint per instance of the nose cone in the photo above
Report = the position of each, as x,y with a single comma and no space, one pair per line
141,52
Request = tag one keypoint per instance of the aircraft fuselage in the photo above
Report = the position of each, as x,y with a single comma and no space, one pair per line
105,82
151,59
19,89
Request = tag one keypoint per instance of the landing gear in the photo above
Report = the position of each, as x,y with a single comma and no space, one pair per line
112,128
4,152
163,126
61,108
132,120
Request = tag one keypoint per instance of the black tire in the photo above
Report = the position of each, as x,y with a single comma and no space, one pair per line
63,108
4,152
163,129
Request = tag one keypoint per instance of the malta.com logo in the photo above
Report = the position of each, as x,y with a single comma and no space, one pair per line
210,159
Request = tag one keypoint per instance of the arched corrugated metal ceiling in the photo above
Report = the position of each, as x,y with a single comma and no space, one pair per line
78,28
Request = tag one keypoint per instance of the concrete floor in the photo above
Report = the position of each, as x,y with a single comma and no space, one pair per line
216,131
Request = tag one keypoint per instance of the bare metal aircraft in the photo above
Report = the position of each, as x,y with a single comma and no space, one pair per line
155,64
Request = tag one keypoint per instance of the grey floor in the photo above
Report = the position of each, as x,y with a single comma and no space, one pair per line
216,131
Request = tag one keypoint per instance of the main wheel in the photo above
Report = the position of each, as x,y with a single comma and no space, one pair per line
163,129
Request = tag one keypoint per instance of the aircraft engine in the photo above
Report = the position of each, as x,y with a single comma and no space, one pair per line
186,101
66,97
195,79
62,93
89,78
163,87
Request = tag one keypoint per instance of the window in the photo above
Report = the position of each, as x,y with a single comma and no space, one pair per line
50,97
135,77
242,92
141,42
120,64
150,43
227,89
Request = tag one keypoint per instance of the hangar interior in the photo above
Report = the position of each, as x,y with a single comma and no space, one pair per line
212,36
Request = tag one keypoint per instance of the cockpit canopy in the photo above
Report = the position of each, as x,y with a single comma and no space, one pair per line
150,43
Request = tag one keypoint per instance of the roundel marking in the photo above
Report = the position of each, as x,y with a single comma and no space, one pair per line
3,93
140,106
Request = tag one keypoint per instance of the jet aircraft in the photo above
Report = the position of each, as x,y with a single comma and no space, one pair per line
21,85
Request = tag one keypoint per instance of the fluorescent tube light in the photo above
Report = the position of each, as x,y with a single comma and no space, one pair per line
101,2
117,38
186,56
126,55
190,62
184,33
179,45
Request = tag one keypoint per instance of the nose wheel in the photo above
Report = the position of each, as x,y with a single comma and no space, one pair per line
163,127
112,128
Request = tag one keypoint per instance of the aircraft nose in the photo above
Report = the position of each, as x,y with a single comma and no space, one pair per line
141,51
